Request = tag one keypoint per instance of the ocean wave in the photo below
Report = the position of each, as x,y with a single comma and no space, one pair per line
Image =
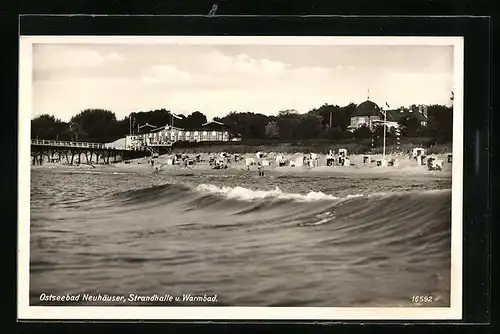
171,192
242,193
397,210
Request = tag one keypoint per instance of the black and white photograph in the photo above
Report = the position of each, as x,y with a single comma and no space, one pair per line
223,177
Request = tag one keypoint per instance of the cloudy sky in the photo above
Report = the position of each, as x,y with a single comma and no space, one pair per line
216,79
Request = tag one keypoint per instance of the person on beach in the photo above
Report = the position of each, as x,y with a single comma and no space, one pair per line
259,167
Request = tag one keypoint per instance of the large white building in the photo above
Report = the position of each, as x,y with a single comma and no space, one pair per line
167,135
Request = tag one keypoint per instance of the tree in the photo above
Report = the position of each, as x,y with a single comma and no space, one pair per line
95,125
411,126
340,117
345,115
288,121
390,132
194,120
272,130
157,117
362,132
49,127
123,126
309,126
336,133
248,124
440,124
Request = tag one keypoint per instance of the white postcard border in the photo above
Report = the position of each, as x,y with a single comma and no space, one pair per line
26,312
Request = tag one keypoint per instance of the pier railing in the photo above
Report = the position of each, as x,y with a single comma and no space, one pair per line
70,144
81,144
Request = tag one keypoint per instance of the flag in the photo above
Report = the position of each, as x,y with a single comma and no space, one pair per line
176,116
213,10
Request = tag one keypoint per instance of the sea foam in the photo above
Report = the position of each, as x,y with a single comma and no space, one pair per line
249,194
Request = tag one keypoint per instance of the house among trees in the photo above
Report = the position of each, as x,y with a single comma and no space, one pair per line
369,114
401,115
365,114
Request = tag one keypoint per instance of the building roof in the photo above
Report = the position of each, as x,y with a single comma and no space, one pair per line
206,129
403,113
200,129
215,122
146,125
145,128
214,125
166,127
367,108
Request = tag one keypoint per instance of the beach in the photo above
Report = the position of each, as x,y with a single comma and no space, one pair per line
406,166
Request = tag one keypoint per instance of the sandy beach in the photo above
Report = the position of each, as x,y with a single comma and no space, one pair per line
405,166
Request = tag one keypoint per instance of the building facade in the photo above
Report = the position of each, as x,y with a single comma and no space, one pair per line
167,135
366,114
418,112
371,115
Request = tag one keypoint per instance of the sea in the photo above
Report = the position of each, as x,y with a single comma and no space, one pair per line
237,239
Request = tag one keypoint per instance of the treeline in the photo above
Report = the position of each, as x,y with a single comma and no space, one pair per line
99,125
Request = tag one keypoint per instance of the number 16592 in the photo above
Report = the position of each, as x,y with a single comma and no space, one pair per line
421,299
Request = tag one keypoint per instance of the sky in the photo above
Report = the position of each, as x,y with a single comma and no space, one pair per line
217,79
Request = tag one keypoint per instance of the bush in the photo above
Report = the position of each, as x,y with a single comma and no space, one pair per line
362,132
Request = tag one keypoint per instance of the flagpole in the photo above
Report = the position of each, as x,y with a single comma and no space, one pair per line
385,130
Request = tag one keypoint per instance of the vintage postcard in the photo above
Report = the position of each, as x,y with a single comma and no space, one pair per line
269,178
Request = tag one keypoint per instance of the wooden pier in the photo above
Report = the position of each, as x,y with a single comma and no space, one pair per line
72,152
